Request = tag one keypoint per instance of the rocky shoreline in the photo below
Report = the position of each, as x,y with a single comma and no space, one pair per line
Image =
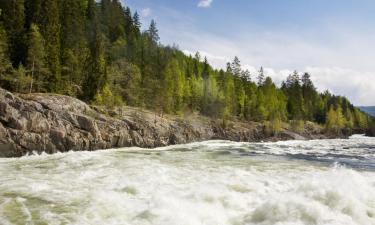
55,123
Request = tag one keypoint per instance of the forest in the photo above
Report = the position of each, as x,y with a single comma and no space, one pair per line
98,52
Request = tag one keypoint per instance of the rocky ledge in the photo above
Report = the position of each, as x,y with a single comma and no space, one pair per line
55,123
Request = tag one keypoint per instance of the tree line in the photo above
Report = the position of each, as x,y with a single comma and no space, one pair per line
96,51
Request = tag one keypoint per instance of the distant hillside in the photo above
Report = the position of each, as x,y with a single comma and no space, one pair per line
368,109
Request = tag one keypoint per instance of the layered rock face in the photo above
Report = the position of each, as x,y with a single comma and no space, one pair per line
55,123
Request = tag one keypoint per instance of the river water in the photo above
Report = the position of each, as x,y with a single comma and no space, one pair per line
330,182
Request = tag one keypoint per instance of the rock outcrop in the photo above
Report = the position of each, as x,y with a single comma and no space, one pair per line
55,123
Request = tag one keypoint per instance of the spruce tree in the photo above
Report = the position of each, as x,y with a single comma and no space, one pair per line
236,67
33,12
35,62
137,22
73,44
153,32
205,76
261,77
96,74
310,96
293,90
51,31
5,65
13,16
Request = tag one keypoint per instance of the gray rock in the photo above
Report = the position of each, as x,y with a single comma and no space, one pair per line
55,123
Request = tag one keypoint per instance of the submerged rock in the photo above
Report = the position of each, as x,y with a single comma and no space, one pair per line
56,123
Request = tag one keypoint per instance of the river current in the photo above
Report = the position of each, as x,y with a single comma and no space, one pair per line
320,182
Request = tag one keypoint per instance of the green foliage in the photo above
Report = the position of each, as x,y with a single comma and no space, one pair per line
50,27
126,81
5,65
173,88
21,81
36,60
293,90
273,127
105,97
13,18
297,125
335,119
96,71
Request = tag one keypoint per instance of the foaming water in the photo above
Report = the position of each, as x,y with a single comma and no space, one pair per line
330,182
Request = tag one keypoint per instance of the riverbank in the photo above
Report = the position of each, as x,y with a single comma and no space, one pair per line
55,123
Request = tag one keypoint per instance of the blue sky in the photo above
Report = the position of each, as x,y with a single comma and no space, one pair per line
331,39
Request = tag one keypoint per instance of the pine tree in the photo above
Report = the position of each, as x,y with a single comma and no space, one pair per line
51,31
153,32
72,24
245,75
35,61
13,16
5,65
310,97
129,22
205,76
261,77
73,44
137,22
236,67
96,76
293,90
197,59
116,21
229,95
33,12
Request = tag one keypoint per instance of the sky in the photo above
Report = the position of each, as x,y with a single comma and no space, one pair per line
333,40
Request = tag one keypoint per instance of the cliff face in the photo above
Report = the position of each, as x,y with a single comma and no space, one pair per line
54,123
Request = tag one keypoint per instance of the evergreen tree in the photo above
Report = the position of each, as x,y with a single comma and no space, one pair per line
197,59
293,90
310,96
245,75
236,67
36,60
153,32
205,76
51,31
137,22
33,12
260,77
73,46
116,21
5,65
129,22
13,17
96,76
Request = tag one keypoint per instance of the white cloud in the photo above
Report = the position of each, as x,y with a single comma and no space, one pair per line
146,12
204,3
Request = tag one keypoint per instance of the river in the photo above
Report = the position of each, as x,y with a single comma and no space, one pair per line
330,182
